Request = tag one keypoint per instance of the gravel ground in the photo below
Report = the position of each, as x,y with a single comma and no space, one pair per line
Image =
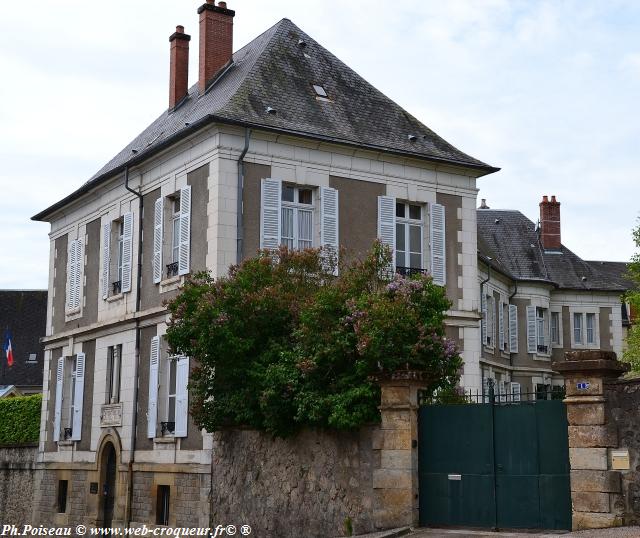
620,532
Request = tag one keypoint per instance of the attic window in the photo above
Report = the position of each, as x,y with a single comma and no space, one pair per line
320,91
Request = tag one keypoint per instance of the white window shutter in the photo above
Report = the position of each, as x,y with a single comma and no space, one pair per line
76,426
184,248
515,392
438,246
513,328
58,405
329,236
72,266
491,311
270,207
158,216
483,321
154,363
106,258
531,329
127,251
182,397
387,226
501,325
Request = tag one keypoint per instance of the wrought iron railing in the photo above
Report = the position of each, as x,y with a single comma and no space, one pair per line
68,432
410,271
167,427
543,349
116,287
172,269
493,395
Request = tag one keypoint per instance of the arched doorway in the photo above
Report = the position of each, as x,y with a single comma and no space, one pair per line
108,477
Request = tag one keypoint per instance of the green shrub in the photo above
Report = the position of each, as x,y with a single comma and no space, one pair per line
282,343
20,419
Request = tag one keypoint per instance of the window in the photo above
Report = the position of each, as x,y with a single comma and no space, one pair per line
114,365
175,227
490,320
320,91
555,327
162,507
409,234
69,398
172,253
542,391
591,333
117,252
63,486
296,217
577,328
168,394
538,330
541,341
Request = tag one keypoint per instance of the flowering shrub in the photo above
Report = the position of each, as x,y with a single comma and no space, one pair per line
281,343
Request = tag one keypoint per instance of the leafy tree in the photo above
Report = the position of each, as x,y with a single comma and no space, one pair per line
281,343
632,353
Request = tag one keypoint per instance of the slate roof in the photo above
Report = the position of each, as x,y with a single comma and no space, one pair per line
512,243
274,70
24,313
615,272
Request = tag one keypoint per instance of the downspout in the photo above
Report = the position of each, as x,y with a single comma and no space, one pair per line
240,240
134,418
515,290
481,313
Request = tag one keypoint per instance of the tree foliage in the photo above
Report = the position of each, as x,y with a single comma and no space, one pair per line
632,351
20,419
282,343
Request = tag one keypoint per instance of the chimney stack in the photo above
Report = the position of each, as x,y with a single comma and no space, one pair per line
550,223
216,40
179,70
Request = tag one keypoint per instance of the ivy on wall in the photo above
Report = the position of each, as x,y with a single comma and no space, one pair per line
20,419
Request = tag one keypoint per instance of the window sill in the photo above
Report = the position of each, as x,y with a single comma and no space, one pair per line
114,298
541,357
70,315
66,442
171,284
166,440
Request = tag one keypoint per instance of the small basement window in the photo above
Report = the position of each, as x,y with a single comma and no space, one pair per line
63,486
162,507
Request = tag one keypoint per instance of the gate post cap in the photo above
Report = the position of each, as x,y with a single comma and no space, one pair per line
592,362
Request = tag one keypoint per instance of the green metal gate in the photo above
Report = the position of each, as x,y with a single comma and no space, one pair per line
495,465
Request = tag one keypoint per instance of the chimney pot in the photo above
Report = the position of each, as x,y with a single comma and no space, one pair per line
553,199
179,67
545,199
216,40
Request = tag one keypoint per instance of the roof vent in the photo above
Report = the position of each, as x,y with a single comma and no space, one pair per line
412,137
306,55
584,279
270,110
302,43
186,124
134,151
497,221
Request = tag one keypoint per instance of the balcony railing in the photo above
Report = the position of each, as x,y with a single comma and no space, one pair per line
68,432
167,427
543,349
116,287
410,271
172,269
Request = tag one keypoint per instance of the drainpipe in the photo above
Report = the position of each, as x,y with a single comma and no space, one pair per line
481,313
240,240
134,418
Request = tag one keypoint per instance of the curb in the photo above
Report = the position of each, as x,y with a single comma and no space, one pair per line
391,533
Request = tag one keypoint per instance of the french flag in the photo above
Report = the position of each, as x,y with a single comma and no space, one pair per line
8,349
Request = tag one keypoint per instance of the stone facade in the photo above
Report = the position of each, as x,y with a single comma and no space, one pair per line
17,484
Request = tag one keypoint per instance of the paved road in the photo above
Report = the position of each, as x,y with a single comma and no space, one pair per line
623,532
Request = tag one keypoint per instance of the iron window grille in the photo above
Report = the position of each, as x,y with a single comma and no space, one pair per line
172,269
167,428
116,287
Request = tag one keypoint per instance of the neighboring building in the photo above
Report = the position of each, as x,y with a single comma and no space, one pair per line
23,314
277,143
9,391
539,300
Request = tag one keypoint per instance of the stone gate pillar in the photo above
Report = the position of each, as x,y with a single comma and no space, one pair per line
591,435
395,482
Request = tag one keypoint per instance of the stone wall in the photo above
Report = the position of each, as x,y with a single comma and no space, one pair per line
623,409
17,481
318,481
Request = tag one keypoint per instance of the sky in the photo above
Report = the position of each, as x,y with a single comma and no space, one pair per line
547,91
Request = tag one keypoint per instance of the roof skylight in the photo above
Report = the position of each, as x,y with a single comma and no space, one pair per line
320,91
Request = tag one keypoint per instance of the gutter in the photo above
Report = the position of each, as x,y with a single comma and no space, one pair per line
134,418
240,207
212,118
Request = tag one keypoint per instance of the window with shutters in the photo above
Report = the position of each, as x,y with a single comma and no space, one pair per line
541,337
538,331
75,268
296,217
409,238
172,236
556,329
117,256
114,367
69,398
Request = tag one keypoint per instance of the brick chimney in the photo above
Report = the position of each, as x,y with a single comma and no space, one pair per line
216,40
179,70
550,223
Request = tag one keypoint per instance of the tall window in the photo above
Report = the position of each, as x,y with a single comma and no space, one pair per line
555,327
120,249
540,329
175,227
114,364
409,235
591,333
297,217
577,328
